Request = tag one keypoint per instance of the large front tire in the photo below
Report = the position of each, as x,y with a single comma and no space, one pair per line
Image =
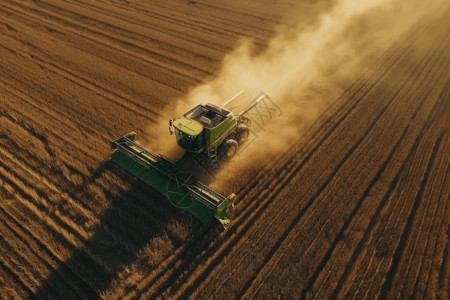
242,133
229,149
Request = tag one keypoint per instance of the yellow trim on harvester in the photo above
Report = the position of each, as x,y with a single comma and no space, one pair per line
188,126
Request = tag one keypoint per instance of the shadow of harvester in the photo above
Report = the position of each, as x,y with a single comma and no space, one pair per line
132,220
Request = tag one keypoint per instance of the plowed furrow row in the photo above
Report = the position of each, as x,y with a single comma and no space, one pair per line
425,219
437,271
432,130
316,135
425,84
268,216
229,235
377,261
339,249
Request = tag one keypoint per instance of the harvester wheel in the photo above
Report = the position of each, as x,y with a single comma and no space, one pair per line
242,133
229,149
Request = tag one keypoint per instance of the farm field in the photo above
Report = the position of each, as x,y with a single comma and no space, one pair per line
354,205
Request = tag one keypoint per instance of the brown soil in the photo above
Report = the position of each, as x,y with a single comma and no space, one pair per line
356,207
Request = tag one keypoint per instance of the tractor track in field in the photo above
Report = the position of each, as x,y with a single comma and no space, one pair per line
354,207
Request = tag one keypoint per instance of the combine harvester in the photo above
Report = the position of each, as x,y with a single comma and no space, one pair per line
209,134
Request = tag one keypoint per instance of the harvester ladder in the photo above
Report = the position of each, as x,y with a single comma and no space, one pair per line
212,156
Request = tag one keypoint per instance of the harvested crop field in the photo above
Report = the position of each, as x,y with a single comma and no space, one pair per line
351,203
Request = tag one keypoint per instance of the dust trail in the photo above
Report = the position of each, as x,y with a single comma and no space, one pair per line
319,49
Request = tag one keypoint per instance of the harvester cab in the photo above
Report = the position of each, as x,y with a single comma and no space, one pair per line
209,132
204,129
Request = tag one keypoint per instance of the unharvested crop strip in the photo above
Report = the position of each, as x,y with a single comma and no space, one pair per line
39,209
34,177
29,276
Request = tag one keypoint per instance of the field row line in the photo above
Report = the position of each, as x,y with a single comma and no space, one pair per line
38,254
412,125
395,185
82,81
93,15
120,44
426,230
170,28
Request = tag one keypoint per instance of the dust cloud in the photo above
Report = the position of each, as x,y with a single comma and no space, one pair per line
319,49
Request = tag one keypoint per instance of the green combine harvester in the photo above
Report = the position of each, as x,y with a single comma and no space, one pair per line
209,134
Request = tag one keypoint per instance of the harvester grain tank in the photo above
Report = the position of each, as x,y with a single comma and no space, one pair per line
209,134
